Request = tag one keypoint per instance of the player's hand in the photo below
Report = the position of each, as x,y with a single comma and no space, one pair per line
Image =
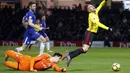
110,29
63,69
48,28
41,28
33,70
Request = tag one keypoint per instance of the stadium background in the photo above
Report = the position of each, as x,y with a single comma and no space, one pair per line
68,21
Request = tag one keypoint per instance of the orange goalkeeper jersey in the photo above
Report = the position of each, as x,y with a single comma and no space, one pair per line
26,62
22,60
45,63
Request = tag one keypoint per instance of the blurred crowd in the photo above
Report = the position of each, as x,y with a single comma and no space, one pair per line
67,24
11,23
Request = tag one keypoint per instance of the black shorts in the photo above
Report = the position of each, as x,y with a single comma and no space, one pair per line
88,38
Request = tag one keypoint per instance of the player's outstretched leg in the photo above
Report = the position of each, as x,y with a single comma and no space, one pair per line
67,56
22,48
32,43
10,64
12,54
70,55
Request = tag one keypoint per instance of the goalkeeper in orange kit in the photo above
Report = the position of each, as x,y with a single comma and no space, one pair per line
28,63
94,24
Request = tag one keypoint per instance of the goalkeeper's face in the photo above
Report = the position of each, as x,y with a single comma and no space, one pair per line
91,8
56,59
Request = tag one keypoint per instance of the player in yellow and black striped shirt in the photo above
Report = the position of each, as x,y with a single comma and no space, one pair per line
94,24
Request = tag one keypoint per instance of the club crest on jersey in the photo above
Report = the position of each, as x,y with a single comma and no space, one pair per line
30,17
94,18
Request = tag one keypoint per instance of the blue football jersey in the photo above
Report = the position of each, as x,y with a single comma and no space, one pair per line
43,24
30,15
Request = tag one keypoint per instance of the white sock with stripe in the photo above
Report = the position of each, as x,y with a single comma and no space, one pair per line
48,46
19,49
42,46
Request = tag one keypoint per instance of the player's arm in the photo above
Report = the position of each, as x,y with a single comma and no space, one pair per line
58,69
33,60
30,22
95,21
102,26
37,30
46,27
24,23
100,6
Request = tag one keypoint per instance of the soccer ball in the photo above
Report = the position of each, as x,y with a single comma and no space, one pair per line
115,66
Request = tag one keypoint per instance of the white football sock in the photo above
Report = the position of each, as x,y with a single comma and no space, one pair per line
42,46
33,42
48,46
19,49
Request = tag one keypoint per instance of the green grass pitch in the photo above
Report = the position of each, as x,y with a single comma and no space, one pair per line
96,60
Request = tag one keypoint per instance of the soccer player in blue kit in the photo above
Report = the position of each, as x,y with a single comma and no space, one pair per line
30,33
43,33
42,23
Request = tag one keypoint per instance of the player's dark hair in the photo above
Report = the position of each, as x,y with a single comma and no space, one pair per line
30,3
57,54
